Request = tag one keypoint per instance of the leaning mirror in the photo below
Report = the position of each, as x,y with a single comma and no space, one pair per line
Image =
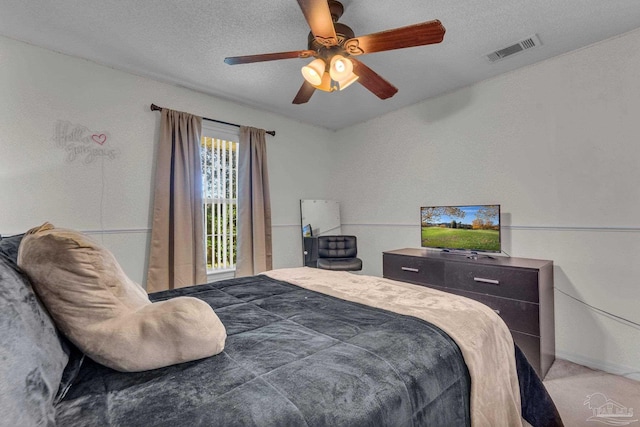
317,218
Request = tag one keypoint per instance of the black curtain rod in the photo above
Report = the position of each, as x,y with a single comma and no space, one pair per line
154,107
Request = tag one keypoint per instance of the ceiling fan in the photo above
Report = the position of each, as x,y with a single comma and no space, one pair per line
334,47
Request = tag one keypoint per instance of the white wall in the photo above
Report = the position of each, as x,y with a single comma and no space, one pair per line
110,198
557,144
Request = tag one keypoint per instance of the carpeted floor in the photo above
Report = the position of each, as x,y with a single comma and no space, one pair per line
577,392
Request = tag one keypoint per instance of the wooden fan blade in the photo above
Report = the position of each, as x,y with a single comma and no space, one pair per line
372,80
318,16
233,60
430,32
304,94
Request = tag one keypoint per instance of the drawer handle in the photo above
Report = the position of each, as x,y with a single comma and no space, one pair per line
491,281
413,270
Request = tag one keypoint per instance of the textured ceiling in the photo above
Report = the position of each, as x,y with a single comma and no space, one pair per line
185,41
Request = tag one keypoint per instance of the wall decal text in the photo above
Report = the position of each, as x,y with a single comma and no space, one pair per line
82,144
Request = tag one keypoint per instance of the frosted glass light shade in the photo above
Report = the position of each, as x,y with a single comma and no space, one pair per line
347,81
313,71
341,68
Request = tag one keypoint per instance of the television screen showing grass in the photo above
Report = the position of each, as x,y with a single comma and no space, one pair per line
470,228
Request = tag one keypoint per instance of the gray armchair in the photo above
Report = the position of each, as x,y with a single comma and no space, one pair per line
338,253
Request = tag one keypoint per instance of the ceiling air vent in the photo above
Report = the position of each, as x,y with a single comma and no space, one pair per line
525,44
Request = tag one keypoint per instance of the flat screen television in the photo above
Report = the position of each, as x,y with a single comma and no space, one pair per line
470,228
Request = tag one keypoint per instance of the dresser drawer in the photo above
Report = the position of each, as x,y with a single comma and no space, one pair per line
519,316
413,269
515,283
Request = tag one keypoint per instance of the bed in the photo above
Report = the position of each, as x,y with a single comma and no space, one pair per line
296,354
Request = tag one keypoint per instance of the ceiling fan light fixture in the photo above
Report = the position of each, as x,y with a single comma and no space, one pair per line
335,48
313,72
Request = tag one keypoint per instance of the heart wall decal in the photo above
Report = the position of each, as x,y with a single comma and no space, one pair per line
99,138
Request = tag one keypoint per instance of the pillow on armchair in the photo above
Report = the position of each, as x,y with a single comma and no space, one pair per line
107,315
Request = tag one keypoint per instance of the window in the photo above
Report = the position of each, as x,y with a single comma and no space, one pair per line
219,153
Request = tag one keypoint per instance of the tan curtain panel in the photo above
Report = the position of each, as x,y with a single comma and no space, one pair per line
176,254
254,254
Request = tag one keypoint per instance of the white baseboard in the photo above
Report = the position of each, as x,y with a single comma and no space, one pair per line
215,276
612,368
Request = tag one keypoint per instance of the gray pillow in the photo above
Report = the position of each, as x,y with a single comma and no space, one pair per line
9,246
32,356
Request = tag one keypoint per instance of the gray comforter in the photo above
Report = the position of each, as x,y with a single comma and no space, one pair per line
293,358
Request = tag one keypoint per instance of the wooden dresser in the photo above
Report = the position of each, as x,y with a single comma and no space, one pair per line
520,290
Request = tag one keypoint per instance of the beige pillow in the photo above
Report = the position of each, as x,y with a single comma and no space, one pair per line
107,315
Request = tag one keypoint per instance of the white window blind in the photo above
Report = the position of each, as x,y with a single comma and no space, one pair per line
219,153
